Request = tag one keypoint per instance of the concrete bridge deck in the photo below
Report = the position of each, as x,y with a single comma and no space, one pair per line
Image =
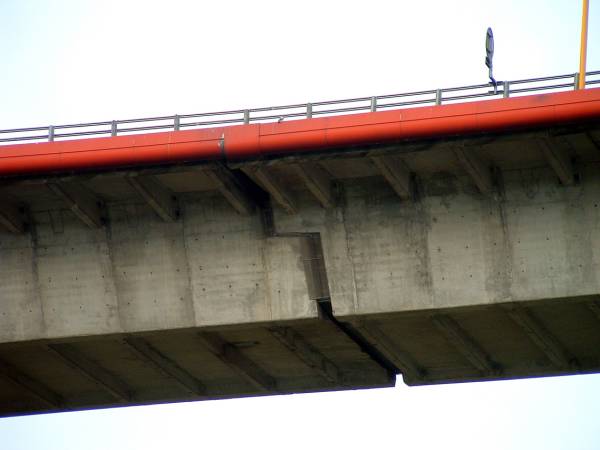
446,259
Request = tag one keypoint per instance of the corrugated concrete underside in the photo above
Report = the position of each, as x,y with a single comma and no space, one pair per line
357,284
143,381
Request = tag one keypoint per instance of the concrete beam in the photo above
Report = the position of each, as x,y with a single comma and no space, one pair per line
478,171
308,354
542,338
168,367
409,368
93,371
237,361
279,192
80,200
158,197
592,141
11,217
318,182
232,188
33,387
465,344
396,173
594,307
559,160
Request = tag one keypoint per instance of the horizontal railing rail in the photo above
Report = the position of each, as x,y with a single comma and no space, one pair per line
298,110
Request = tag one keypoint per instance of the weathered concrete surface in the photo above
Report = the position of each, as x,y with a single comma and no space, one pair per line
450,284
536,240
140,274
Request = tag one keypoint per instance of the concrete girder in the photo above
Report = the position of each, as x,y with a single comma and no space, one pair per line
93,371
11,217
592,141
594,306
542,338
165,365
390,263
317,181
465,344
232,188
278,191
43,393
240,363
80,200
410,369
558,159
157,196
308,354
396,173
475,167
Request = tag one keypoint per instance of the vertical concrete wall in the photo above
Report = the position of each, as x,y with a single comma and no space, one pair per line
455,247
21,315
138,273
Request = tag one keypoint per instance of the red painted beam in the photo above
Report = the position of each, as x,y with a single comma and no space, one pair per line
298,136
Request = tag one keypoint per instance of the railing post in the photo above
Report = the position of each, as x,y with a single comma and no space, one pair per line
176,123
576,81
113,128
50,133
246,116
506,89
309,110
438,96
373,104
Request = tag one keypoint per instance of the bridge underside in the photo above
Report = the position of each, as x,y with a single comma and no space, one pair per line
444,261
181,365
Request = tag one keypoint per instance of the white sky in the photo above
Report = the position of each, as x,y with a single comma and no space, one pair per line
75,61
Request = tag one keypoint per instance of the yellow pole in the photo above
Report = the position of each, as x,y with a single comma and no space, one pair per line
583,47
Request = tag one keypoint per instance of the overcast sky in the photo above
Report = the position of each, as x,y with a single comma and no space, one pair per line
75,61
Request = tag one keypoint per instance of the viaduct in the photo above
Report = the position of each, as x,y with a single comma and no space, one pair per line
441,243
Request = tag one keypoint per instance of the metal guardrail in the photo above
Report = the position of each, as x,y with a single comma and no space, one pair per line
296,111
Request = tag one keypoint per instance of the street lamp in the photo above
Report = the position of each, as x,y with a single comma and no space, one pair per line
489,55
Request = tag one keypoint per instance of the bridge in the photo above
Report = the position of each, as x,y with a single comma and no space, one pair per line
449,235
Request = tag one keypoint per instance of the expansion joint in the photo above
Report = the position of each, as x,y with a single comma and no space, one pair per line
316,275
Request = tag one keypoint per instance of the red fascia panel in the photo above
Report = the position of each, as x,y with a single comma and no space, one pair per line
426,122
247,142
111,152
